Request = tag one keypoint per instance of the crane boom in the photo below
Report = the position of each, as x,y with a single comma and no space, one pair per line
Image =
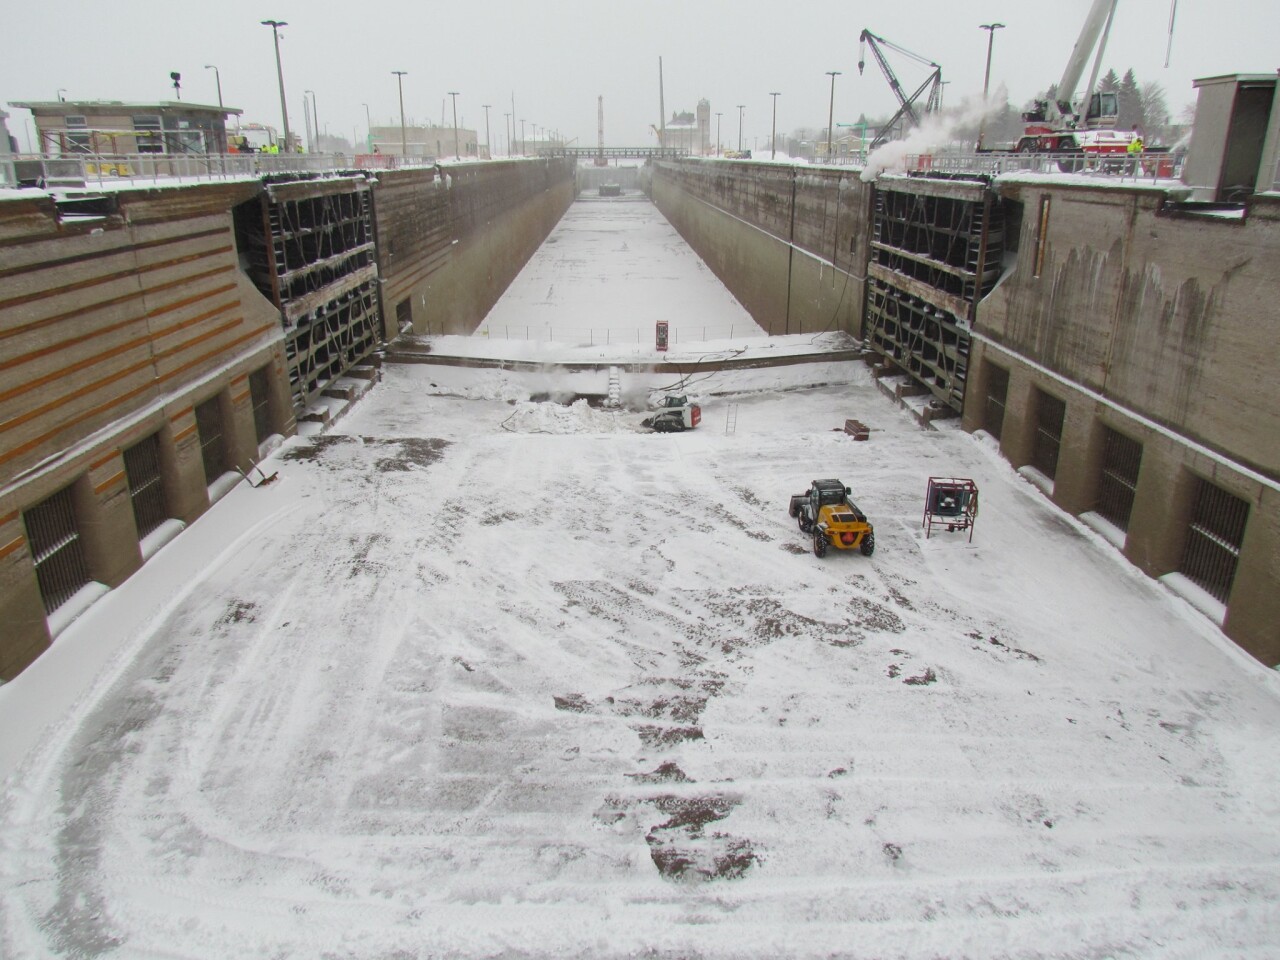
906,105
1099,18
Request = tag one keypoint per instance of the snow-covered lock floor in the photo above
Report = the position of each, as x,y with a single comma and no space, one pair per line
481,677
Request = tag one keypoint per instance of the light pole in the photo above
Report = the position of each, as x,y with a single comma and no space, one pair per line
506,130
454,95
773,137
487,145
991,29
275,26
718,116
404,146
315,119
218,78
522,141
368,120
831,109
741,107
309,107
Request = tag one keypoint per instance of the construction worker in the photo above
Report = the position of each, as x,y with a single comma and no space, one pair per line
1136,146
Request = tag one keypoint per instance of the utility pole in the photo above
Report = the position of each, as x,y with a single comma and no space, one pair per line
275,26
454,95
831,109
487,145
741,107
506,131
773,138
991,29
315,119
404,144
218,77
718,116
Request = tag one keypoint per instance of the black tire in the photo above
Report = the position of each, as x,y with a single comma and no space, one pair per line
805,524
819,544
868,544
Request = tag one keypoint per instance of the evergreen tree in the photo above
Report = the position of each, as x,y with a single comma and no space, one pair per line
1109,83
1130,113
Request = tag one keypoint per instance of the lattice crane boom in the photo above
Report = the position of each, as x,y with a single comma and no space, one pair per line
906,105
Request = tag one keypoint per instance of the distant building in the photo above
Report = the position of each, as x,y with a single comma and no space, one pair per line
116,127
423,141
690,132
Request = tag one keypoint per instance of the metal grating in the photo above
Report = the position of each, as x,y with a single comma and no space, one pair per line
997,394
146,489
260,397
1050,414
55,549
1214,537
212,447
1121,460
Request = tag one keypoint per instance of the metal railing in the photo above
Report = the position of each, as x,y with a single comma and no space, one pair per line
592,337
85,169
1145,166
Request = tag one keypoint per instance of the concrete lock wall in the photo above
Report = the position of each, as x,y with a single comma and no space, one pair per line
790,243
114,327
1153,323
450,244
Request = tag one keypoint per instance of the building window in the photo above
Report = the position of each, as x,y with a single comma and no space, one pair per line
1214,537
260,397
77,139
212,447
997,393
148,135
146,489
1121,458
55,549
1050,415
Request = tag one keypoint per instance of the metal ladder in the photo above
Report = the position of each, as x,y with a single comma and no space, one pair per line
730,419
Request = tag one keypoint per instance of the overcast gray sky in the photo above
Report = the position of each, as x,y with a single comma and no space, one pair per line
557,56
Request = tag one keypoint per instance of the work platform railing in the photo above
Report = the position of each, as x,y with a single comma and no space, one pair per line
100,170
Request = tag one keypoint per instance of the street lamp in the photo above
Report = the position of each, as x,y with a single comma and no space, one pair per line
308,106
487,145
718,116
315,118
741,107
404,147
991,29
217,77
454,95
831,108
275,26
773,138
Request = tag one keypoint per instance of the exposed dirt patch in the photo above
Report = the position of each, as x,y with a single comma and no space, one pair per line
922,679
668,772
240,611
682,849
394,455
653,736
